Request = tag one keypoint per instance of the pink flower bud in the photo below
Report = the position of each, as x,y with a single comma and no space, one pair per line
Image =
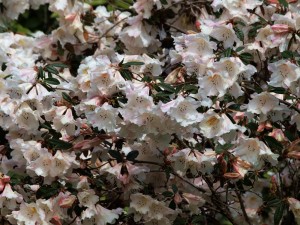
232,175
278,135
280,28
294,155
177,198
67,202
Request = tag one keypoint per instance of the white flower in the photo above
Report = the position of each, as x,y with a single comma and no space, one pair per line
214,125
262,103
27,118
141,203
28,214
64,121
295,207
183,110
283,73
214,84
42,165
104,117
99,215
226,34
88,198
255,152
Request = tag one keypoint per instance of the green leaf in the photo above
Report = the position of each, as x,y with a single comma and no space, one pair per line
59,65
52,81
273,143
167,87
67,97
191,88
239,33
98,2
132,155
60,144
274,202
122,4
221,148
279,213
277,90
51,69
172,205
227,52
168,194
174,188
236,107
287,54
126,74
40,73
164,2
15,178
284,3
246,57
180,221
132,64
48,191
238,49
116,155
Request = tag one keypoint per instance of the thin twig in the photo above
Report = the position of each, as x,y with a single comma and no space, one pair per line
242,205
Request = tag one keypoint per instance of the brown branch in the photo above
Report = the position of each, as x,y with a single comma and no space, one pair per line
238,194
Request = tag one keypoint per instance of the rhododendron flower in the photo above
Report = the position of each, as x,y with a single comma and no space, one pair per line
295,207
283,73
225,34
263,103
214,125
183,111
255,152
99,215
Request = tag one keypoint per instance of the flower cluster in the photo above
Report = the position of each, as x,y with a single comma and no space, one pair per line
150,112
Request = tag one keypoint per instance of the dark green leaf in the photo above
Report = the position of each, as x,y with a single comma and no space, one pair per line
60,144
98,2
167,87
164,2
116,155
227,52
180,221
132,155
239,33
246,57
51,69
52,81
221,148
15,178
172,205
239,48
122,4
287,54
277,90
67,97
41,74
133,64
174,188
273,143
284,3
236,107
48,191
126,74
59,65
279,213
191,88
274,202
168,194
49,88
